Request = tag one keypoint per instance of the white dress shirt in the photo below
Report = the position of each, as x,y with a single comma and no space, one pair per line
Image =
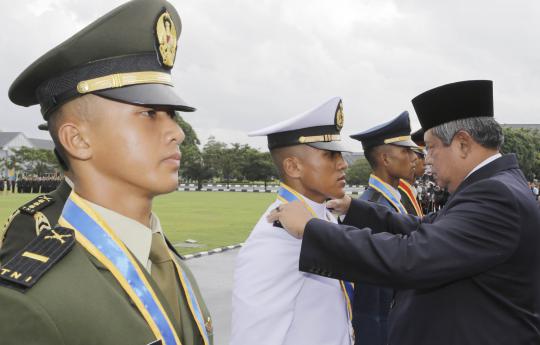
273,303
484,163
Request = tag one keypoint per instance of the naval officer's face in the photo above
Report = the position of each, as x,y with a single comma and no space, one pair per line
137,146
323,174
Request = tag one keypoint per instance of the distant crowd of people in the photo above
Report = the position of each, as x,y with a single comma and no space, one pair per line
30,184
431,197
535,189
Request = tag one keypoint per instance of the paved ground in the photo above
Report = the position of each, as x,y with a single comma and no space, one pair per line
214,274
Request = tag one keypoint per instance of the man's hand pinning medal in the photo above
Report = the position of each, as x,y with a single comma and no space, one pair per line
293,217
339,206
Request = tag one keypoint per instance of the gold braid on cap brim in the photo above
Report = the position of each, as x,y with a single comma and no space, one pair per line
112,81
319,138
396,139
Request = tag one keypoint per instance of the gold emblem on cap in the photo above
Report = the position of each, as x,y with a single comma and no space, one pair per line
166,37
339,116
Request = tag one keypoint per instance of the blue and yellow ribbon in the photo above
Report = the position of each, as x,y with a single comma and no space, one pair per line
287,194
98,239
192,301
386,190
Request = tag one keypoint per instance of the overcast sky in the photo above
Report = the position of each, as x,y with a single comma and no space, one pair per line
246,64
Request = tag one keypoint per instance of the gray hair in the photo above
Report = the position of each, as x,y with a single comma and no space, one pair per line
484,130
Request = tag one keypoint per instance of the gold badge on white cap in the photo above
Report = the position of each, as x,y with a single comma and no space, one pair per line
339,116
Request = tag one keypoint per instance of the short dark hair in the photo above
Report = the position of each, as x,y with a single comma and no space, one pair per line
371,156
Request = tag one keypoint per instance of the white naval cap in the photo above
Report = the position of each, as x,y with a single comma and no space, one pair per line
319,127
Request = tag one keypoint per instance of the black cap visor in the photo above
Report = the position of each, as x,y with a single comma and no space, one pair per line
336,146
406,143
154,95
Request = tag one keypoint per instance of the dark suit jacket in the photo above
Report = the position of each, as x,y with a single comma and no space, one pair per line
371,303
469,274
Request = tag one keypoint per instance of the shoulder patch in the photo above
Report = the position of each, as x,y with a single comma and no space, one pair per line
36,204
29,265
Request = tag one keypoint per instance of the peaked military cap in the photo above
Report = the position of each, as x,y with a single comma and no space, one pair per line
395,132
418,138
455,101
319,127
126,55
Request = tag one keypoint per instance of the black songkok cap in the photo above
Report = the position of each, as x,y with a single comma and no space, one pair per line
450,102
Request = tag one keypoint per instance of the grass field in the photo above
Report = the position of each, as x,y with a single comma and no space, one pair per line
214,219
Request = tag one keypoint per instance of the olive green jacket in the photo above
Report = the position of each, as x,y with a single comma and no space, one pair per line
22,227
78,301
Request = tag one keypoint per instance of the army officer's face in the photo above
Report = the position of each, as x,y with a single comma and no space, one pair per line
136,146
323,174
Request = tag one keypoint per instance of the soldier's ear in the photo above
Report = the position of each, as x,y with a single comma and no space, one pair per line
383,157
73,137
292,167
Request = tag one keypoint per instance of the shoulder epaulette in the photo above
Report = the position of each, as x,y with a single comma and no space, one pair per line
36,204
29,265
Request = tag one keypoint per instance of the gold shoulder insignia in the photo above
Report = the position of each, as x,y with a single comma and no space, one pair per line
42,222
29,265
36,204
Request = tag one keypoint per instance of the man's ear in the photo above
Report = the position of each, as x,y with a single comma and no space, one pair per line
463,142
73,137
383,156
292,167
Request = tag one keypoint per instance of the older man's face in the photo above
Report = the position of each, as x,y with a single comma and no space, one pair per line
446,165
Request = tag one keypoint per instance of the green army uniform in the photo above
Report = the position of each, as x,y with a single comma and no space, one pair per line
52,289
45,313
23,227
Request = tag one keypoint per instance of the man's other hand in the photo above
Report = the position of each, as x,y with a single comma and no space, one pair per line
339,206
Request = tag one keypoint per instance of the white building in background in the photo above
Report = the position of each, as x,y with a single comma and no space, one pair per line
15,140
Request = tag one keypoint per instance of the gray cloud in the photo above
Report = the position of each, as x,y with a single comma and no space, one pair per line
246,64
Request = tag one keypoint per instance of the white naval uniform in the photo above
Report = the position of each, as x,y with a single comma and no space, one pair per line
274,303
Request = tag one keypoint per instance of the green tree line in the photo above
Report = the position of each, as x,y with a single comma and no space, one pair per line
219,161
